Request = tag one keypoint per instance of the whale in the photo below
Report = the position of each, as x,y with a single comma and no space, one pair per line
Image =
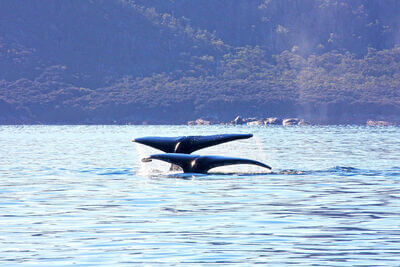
201,164
188,144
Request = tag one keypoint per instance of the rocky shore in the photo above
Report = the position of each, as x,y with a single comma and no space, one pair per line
239,120
85,119
380,123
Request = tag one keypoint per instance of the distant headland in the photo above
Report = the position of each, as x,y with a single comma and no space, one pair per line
172,62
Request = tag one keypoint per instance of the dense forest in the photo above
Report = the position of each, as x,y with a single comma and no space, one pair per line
170,61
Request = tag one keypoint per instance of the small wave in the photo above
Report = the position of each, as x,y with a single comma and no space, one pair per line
395,172
351,171
106,171
344,171
117,172
340,170
291,172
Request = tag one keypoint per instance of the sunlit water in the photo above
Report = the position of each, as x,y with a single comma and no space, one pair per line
79,195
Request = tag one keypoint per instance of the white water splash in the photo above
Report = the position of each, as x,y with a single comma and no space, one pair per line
152,167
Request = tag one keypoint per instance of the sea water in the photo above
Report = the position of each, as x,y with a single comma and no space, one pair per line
79,195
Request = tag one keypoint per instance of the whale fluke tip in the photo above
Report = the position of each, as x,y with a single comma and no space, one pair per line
146,159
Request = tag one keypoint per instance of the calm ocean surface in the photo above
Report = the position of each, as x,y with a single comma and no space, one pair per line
79,195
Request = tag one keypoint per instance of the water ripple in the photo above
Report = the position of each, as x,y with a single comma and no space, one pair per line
78,195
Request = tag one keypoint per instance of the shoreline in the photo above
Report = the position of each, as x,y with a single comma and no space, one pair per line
209,121
373,124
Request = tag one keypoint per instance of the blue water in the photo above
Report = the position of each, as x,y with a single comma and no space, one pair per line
79,195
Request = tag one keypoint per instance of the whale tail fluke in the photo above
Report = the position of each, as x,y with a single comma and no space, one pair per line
202,164
188,144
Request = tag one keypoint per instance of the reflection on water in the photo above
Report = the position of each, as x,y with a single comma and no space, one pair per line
80,195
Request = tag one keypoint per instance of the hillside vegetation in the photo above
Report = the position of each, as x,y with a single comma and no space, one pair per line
170,61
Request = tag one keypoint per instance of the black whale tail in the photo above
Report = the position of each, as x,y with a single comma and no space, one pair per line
188,144
202,164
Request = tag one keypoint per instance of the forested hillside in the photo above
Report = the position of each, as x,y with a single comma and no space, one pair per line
170,61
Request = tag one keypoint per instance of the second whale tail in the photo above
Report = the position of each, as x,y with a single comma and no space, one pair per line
202,164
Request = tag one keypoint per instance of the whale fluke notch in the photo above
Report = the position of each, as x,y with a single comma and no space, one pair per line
188,144
202,164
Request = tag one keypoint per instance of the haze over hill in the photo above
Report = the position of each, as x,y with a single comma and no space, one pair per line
170,61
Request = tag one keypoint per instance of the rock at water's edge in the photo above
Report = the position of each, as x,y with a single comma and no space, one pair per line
199,122
379,123
273,121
